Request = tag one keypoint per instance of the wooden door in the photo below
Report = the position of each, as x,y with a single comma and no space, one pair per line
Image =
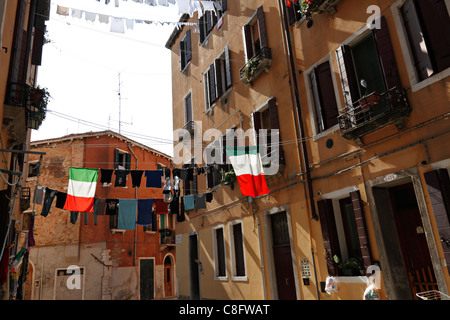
146,281
168,277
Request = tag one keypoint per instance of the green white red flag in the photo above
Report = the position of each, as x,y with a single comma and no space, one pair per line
81,190
247,165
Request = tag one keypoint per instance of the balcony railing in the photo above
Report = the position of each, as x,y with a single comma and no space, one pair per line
363,117
319,6
167,236
255,66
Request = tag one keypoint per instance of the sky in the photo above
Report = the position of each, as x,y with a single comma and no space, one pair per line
81,66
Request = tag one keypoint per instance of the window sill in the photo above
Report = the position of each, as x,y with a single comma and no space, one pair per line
224,278
242,278
429,81
184,70
118,231
325,133
352,279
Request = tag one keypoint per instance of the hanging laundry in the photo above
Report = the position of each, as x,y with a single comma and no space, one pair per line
184,6
188,202
163,3
127,214
117,25
38,194
76,13
129,23
174,205
161,207
103,18
116,3
154,178
190,174
73,217
208,6
60,199
99,206
180,216
121,177
145,211
209,197
199,201
48,200
63,11
112,207
106,176
31,242
197,7
151,2
81,189
136,177
90,16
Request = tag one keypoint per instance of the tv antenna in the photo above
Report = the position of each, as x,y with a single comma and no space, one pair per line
120,107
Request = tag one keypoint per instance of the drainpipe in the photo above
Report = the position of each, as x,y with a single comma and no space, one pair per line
136,196
297,108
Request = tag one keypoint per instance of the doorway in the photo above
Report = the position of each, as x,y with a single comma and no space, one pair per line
194,275
282,256
168,277
147,279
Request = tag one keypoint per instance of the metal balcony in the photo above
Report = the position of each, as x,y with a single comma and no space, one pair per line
319,6
361,119
255,66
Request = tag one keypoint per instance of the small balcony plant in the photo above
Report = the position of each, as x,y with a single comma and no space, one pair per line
39,97
350,266
229,178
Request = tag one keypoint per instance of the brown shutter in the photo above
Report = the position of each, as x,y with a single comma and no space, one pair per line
188,50
38,43
212,85
238,250
256,125
290,12
386,55
201,27
326,88
436,23
317,100
348,76
329,234
416,40
275,124
227,68
182,55
361,228
262,27
248,41
438,185
218,68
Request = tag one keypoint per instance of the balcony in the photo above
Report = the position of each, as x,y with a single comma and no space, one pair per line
167,237
255,66
368,115
319,6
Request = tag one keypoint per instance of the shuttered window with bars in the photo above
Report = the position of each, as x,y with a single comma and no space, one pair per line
185,50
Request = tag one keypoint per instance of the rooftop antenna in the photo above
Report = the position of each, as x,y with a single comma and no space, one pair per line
120,106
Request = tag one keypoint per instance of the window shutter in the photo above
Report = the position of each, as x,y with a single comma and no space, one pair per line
218,75
182,55
262,27
209,21
238,250
128,161
348,76
212,85
38,43
248,45
386,55
438,185
275,124
227,67
329,234
361,228
224,5
116,158
256,117
327,95
188,49
416,40
436,23
201,27
290,12
317,100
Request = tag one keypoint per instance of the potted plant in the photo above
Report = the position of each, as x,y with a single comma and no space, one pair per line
250,68
229,178
39,97
350,266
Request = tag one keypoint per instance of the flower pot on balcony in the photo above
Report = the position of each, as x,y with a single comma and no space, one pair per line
370,100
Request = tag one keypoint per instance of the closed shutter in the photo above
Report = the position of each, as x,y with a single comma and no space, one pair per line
329,234
317,99
218,68
290,13
238,250
348,76
361,228
227,68
438,185
209,22
38,43
220,253
224,5
201,27
116,158
328,97
386,55
2,17
416,40
182,55
262,27
275,124
188,49
248,44
256,117
436,24
128,161
212,85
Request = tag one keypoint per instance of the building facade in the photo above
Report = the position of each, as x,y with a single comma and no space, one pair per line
357,107
113,263
22,108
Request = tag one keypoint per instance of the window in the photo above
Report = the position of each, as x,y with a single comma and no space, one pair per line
122,160
190,186
294,14
237,251
324,97
217,79
216,155
254,35
266,129
368,65
207,21
344,231
188,108
33,169
427,26
220,271
185,50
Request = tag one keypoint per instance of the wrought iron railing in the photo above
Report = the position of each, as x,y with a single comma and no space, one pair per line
361,119
320,6
253,68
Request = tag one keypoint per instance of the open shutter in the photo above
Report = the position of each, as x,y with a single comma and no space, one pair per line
329,234
209,21
212,85
327,95
227,68
416,40
201,27
317,100
436,21
275,124
128,161
248,45
217,67
116,158
262,27
348,76
182,55
361,228
188,50
386,55
256,117
438,185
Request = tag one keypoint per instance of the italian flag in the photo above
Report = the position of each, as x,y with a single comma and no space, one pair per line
246,162
81,191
